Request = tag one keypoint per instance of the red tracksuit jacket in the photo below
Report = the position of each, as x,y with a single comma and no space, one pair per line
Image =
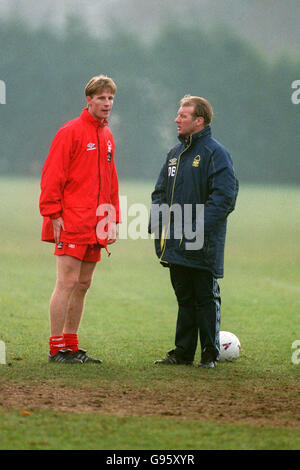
79,182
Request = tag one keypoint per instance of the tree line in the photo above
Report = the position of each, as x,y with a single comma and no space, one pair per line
45,74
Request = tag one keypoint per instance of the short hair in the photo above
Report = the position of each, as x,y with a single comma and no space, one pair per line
202,107
99,83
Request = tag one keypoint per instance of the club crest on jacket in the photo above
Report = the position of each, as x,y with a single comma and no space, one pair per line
196,161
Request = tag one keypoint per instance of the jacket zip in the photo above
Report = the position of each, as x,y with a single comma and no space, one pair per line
99,187
98,141
172,196
99,190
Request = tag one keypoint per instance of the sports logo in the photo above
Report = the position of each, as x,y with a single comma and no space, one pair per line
172,166
226,345
196,161
172,161
91,146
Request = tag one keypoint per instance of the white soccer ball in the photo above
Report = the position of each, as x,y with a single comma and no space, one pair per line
230,347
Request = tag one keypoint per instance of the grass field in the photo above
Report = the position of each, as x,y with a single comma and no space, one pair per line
129,321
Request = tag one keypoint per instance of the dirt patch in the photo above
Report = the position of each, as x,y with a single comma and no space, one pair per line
262,406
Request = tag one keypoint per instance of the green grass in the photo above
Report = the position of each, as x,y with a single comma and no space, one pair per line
56,431
129,322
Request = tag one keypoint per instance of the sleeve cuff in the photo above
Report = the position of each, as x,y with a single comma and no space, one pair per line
55,216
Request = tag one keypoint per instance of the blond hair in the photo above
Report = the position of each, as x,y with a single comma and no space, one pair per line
99,83
202,107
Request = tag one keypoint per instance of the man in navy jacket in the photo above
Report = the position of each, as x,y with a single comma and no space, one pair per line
194,194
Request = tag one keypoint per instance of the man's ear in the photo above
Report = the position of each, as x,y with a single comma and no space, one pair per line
200,121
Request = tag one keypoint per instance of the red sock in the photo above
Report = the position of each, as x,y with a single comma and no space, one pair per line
56,343
71,341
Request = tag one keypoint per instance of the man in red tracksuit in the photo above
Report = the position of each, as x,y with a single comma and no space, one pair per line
79,203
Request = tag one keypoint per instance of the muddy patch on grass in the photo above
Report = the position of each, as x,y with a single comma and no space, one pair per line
261,406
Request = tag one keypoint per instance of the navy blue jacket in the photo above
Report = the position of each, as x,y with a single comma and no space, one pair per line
197,171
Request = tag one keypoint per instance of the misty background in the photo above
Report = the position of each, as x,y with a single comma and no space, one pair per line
242,55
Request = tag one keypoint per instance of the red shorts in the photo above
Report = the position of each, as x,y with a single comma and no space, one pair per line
89,253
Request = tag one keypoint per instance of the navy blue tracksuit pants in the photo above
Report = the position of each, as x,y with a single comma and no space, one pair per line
198,298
